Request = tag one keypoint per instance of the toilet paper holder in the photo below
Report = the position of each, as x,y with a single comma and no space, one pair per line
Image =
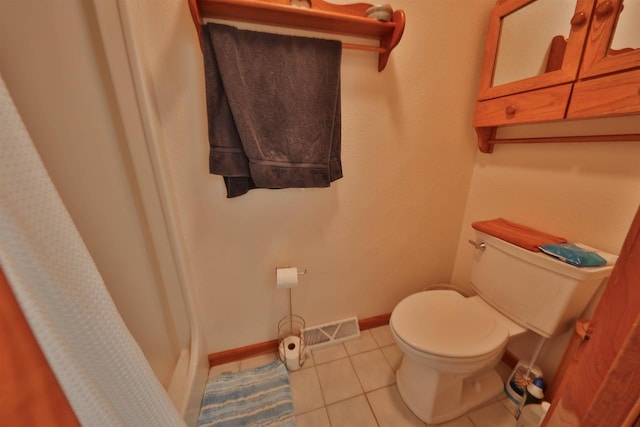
292,349
287,277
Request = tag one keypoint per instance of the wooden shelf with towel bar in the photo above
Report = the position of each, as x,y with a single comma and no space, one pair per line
321,16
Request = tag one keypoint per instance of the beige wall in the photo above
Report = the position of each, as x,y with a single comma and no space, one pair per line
55,70
587,193
389,228
400,217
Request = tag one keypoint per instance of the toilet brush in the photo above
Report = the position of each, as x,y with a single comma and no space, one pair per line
533,393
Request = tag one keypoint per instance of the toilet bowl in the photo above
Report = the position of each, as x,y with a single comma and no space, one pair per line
451,345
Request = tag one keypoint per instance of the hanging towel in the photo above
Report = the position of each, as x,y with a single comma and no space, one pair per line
273,105
517,234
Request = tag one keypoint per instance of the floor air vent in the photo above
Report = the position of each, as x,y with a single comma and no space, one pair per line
331,333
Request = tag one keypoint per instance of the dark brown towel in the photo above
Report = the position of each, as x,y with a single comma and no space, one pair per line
273,105
519,235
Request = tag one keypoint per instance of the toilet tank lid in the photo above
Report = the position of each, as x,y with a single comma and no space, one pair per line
444,323
545,261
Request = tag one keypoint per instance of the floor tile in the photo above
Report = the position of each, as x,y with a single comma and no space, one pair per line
338,381
254,362
383,336
390,410
494,415
354,412
317,418
504,371
508,403
463,421
533,415
373,370
364,342
328,354
328,391
394,355
306,391
308,360
227,368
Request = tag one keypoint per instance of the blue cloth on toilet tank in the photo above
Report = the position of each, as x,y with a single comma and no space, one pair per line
574,255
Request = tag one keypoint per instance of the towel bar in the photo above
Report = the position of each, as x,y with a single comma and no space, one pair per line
324,17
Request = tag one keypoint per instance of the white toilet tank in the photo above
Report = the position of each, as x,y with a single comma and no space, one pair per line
535,290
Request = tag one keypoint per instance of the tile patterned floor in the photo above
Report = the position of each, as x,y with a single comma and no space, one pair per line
353,384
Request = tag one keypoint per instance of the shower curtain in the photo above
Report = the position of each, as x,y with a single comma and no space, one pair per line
98,364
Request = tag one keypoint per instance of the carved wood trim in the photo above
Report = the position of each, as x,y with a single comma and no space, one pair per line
374,322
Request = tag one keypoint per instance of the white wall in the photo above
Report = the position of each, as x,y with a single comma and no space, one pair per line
388,228
54,66
401,215
586,192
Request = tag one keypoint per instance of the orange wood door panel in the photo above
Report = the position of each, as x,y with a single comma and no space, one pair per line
602,388
29,392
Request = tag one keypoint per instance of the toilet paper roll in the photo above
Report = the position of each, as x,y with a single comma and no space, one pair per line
290,352
287,277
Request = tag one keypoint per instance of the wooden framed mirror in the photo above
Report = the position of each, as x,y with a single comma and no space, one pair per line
614,38
532,44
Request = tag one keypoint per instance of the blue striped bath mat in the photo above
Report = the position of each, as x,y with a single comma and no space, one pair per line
258,397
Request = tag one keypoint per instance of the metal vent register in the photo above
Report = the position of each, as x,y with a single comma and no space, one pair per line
331,333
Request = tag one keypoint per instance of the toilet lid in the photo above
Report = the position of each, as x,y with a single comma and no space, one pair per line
444,323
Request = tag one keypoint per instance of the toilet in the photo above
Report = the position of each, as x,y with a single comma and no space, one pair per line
452,344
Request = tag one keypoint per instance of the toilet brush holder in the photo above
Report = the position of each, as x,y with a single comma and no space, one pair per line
292,349
520,378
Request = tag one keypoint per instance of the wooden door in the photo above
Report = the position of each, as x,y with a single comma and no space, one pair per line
29,392
602,386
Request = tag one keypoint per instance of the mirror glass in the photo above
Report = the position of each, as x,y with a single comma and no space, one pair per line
526,39
627,33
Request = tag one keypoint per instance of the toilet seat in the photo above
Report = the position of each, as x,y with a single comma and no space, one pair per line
446,324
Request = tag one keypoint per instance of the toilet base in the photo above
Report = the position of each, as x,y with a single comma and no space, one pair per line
438,397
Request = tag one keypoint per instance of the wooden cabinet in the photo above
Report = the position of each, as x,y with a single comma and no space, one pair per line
547,60
613,94
545,104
